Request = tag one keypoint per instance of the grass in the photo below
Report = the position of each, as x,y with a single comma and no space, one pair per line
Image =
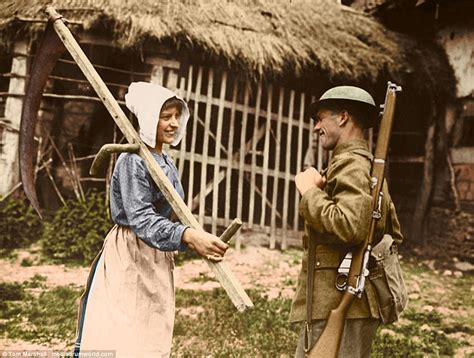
42,317
217,329
207,323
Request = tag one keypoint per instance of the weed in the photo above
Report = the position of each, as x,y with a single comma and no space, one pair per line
50,316
264,328
422,336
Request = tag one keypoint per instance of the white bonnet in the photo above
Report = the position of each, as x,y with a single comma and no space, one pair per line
145,101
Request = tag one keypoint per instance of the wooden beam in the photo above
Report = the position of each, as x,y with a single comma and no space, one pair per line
266,154
220,119
286,190
223,273
281,97
255,140
231,150
193,139
13,105
205,146
299,159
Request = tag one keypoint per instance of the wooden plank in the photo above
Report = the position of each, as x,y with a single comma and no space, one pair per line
246,168
209,188
65,79
240,189
13,106
162,62
266,154
182,148
157,75
205,146
287,169
60,96
211,135
220,119
220,269
241,107
254,156
193,138
189,88
230,150
107,68
281,97
233,164
299,158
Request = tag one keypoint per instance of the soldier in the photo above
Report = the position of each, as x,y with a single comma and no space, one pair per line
337,209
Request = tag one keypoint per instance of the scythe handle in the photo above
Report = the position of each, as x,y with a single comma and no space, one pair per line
225,276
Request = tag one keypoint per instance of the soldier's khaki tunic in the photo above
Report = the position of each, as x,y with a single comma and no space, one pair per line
337,218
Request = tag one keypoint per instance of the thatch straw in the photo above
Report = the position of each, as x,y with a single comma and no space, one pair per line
261,38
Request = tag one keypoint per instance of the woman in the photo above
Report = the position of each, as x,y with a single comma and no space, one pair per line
129,303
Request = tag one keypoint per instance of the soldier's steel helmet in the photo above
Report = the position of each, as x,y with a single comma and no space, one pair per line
353,96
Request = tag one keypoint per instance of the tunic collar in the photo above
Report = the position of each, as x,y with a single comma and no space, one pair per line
350,146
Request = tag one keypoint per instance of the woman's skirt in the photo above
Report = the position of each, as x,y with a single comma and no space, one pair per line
129,303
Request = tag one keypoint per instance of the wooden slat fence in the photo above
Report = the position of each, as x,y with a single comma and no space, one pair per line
244,144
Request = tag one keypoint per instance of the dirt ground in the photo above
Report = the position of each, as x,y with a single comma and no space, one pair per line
275,274
255,267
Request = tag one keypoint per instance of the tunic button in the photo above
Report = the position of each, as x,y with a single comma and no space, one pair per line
318,263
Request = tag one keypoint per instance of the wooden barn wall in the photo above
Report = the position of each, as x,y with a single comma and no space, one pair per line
244,144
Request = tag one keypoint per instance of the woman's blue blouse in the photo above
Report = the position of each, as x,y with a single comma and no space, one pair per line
136,201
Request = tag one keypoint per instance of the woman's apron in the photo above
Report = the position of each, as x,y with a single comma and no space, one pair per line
129,303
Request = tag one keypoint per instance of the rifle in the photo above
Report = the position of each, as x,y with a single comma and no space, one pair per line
329,341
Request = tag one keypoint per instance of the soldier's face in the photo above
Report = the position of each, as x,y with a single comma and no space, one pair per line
328,128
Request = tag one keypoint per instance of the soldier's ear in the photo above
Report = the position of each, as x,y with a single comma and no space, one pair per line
344,118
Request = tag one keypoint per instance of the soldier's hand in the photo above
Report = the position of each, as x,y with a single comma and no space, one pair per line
309,179
205,244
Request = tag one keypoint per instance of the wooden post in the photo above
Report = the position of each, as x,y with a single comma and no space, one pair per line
197,93
254,155
225,276
220,118
299,159
281,96
424,195
240,189
182,149
266,154
13,106
287,169
158,71
230,152
205,148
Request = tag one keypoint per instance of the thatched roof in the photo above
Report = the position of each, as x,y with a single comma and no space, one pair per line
300,39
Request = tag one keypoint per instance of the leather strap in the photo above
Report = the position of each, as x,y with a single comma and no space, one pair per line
309,295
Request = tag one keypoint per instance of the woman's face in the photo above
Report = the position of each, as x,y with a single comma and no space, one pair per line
168,125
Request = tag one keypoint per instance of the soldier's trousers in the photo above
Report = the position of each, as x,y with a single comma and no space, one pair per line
356,339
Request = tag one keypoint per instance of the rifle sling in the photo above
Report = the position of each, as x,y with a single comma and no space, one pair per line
309,295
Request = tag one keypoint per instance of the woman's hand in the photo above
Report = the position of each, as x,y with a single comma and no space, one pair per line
205,244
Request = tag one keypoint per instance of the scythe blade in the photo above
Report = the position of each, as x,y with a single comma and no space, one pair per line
50,50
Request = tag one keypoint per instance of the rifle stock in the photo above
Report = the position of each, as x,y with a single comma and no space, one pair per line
329,341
